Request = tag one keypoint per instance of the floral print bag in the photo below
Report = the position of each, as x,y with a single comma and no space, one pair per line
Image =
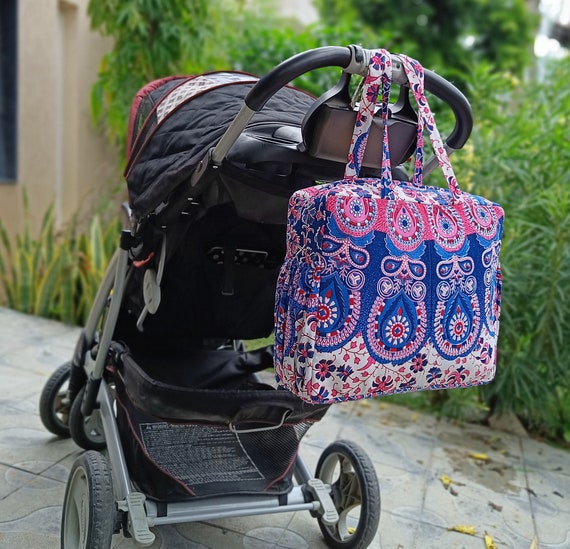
388,286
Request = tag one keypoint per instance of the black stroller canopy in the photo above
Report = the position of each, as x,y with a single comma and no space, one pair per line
176,120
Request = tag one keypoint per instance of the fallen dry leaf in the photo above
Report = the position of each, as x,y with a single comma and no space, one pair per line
479,457
445,480
534,544
489,543
463,529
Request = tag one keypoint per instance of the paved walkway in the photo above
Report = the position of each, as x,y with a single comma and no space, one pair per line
519,495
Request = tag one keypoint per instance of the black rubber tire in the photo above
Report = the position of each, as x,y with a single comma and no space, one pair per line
54,413
89,510
350,472
86,434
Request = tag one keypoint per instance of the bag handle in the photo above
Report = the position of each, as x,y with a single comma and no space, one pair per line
415,74
380,72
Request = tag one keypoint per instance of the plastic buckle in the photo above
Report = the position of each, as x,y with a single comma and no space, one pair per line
151,286
321,492
151,291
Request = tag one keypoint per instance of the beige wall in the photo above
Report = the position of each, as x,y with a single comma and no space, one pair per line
61,158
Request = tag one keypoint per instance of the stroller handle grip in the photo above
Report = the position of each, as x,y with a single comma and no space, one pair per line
354,60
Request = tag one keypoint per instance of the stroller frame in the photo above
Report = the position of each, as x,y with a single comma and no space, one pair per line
79,400
140,512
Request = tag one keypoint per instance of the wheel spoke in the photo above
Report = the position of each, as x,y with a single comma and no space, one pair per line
349,488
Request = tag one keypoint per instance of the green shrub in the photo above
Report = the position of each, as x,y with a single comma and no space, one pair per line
266,41
55,274
520,157
448,35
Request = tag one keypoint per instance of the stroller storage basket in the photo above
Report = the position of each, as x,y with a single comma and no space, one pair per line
182,442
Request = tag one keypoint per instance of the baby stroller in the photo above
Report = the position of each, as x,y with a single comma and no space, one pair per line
172,407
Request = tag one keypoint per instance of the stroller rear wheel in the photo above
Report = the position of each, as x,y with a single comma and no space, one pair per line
86,432
89,512
355,492
54,407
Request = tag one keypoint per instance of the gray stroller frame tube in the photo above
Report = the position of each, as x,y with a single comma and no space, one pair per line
115,279
101,298
229,507
120,280
119,470
301,471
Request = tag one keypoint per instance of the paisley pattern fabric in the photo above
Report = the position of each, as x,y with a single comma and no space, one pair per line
388,286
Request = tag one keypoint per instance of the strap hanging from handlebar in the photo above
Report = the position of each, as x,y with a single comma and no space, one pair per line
415,74
378,79
380,73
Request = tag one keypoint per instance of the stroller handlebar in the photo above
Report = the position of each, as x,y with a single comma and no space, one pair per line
353,60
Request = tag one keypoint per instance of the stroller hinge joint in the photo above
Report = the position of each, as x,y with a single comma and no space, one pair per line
127,240
202,168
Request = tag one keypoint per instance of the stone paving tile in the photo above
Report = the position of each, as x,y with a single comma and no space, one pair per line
401,450
308,529
521,490
466,502
287,530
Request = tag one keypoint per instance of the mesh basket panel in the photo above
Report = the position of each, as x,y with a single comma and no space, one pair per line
176,461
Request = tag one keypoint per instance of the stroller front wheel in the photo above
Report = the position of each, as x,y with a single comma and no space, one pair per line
89,512
86,432
355,492
54,407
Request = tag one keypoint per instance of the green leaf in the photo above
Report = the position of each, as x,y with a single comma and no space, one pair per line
25,294
49,287
67,291
96,246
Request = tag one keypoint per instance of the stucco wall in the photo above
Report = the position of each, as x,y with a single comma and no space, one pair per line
61,158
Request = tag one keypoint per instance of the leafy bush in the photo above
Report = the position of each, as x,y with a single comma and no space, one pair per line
281,41
534,160
53,274
152,39
448,35
519,157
